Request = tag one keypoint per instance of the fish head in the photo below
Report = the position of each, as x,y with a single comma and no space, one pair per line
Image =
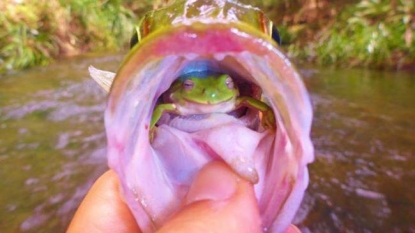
225,37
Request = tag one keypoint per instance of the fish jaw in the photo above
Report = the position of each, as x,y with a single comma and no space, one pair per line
153,181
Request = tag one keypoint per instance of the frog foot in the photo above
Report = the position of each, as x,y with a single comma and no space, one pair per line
152,133
268,121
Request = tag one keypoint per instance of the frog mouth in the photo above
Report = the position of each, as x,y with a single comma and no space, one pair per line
207,115
155,176
215,103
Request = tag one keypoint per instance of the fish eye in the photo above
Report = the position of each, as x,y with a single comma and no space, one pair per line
276,35
229,83
188,84
134,40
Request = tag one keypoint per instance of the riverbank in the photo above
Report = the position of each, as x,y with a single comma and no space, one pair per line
35,32
369,33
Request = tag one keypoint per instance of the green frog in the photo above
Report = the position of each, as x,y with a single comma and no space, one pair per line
216,93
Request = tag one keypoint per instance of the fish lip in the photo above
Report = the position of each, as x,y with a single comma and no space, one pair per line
156,46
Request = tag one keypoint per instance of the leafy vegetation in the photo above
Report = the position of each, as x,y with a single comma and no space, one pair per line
374,33
33,32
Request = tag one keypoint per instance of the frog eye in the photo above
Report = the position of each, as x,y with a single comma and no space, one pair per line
229,83
188,84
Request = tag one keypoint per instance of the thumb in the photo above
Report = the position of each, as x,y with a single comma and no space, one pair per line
218,201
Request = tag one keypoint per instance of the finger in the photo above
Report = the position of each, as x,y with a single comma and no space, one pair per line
293,229
102,210
218,201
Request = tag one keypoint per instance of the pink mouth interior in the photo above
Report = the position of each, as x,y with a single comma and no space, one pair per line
155,177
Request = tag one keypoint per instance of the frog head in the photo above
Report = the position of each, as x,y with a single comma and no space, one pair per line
212,89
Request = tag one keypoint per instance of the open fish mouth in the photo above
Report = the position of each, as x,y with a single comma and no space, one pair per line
155,175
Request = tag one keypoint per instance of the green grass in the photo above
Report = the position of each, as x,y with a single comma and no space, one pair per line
34,32
371,33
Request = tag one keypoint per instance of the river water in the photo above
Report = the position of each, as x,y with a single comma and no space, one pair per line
52,147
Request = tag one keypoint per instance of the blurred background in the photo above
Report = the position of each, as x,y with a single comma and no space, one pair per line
370,33
357,59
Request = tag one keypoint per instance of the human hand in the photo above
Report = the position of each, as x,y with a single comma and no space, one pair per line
218,201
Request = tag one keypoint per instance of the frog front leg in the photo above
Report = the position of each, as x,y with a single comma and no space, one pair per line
268,118
158,112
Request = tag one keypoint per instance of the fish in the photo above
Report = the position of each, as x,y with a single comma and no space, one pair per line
230,37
